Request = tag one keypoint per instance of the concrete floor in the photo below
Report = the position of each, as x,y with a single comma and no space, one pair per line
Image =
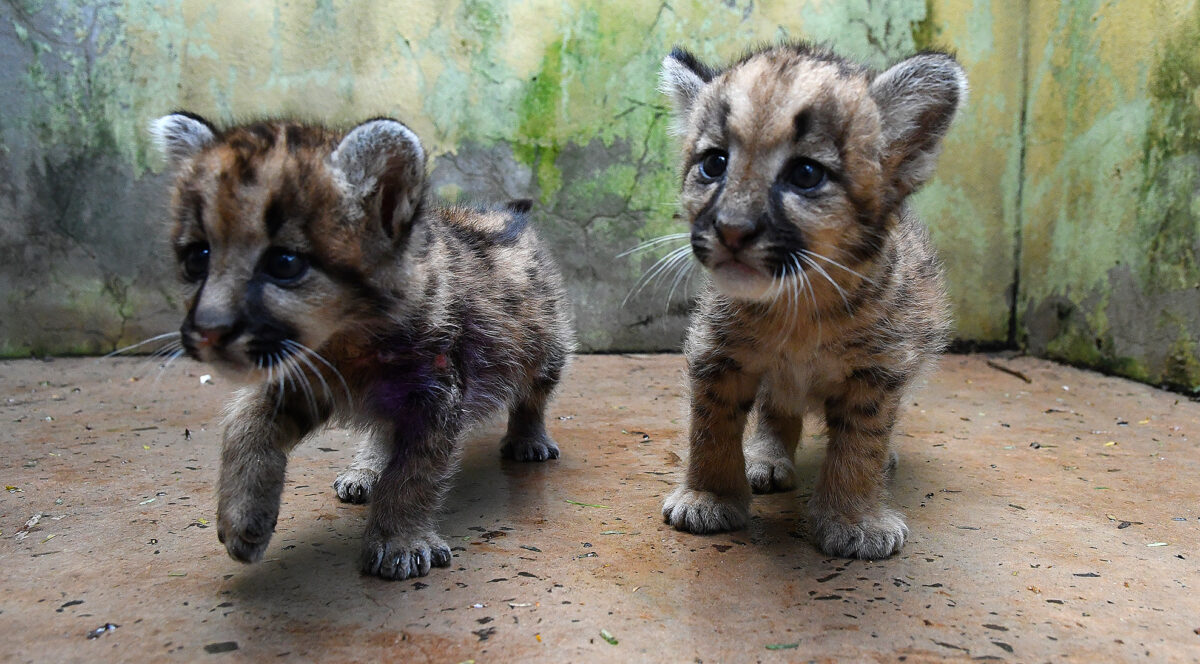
1051,521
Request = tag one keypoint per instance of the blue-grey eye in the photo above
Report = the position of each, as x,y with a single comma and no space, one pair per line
284,265
713,165
806,174
194,261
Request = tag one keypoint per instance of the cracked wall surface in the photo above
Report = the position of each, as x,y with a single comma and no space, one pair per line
556,101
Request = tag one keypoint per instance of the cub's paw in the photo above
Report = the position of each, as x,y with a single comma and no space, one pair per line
246,532
401,557
529,448
767,475
704,511
354,485
873,537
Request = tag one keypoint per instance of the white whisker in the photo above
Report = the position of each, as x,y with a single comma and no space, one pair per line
139,344
654,243
816,266
655,270
839,265
683,270
317,356
163,367
816,313
300,352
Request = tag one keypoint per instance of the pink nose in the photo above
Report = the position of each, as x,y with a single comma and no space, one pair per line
734,236
211,338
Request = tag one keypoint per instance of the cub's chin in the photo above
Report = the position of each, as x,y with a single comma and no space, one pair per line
231,365
739,281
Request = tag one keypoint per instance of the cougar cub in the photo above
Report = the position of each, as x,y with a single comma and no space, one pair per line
316,266
825,293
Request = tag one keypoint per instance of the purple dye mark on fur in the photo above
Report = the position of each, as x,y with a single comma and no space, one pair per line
411,381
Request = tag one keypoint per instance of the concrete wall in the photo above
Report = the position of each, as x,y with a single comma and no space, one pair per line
556,101
1111,202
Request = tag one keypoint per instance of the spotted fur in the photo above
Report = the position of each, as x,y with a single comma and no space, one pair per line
825,293
316,266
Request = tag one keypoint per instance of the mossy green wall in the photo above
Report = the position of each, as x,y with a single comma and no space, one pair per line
1111,203
556,101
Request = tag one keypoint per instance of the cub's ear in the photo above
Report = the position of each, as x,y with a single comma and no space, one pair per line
383,163
917,99
681,78
181,135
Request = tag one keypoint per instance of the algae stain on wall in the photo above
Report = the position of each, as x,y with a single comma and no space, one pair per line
531,98
1108,266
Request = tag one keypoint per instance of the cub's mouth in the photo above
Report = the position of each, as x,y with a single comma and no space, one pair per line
738,267
739,277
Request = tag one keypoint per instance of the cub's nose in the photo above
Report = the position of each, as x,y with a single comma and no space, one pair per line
735,235
212,329
211,338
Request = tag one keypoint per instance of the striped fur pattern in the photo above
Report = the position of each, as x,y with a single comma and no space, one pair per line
315,266
825,293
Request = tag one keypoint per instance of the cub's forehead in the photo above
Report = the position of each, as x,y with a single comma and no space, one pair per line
256,182
780,95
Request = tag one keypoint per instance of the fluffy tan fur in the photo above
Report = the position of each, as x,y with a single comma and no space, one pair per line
825,293
315,266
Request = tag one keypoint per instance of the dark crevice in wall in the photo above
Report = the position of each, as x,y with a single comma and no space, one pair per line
1019,209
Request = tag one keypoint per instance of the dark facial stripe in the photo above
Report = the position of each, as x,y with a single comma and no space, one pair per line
786,236
801,124
703,224
274,216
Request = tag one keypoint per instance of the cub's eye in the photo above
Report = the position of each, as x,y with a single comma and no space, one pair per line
194,260
806,174
283,265
712,167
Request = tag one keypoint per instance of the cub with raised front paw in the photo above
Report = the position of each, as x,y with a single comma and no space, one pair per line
316,266
825,294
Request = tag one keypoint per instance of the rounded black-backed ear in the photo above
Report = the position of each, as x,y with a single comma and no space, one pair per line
383,164
681,78
519,206
917,100
181,135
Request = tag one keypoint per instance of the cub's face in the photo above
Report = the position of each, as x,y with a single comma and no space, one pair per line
279,229
795,160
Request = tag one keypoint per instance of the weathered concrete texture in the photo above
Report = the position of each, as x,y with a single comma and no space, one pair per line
1109,276
1051,521
544,99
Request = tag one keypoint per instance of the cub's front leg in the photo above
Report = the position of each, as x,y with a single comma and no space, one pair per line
715,495
259,433
401,540
848,513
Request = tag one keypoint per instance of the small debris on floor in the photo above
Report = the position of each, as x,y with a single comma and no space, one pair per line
576,502
607,636
101,630
224,646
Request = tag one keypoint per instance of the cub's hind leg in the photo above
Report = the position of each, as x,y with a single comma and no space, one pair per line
715,495
526,438
355,484
771,451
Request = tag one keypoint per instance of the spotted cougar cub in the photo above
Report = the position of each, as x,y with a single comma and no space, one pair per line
315,264
825,293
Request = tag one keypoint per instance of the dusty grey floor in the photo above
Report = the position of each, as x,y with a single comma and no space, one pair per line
1056,520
